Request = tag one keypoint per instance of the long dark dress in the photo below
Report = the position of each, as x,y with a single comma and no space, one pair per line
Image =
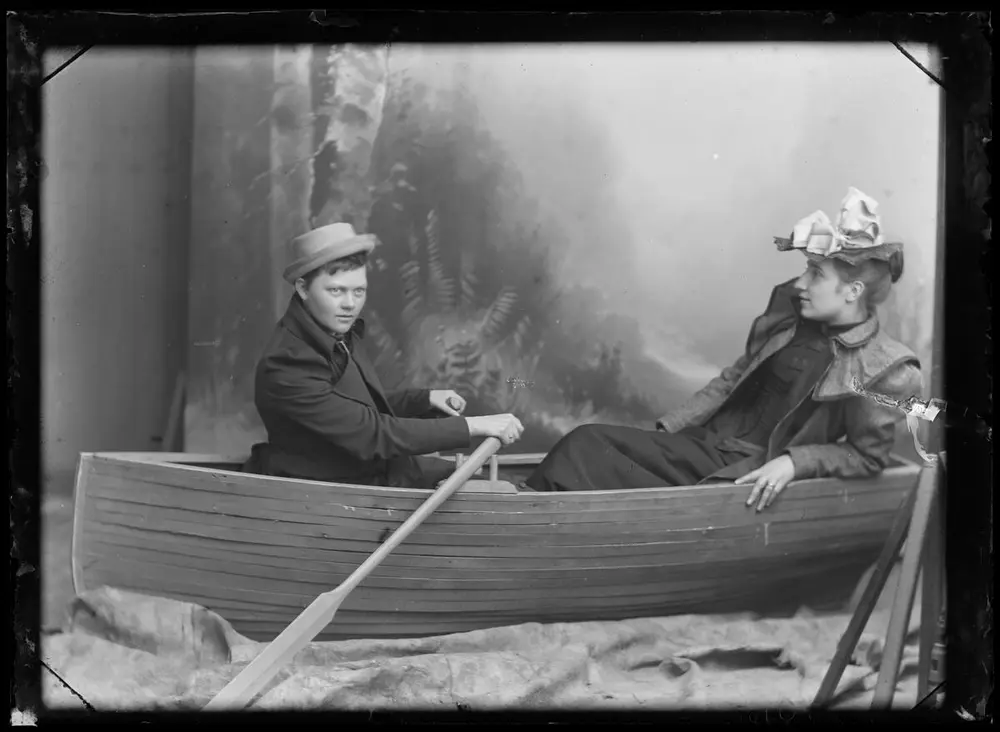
606,457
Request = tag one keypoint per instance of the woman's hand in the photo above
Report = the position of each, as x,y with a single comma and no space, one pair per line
447,401
769,480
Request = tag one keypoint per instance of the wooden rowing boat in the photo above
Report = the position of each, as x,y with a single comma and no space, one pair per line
259,549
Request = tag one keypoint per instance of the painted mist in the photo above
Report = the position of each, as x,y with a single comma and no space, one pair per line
584,233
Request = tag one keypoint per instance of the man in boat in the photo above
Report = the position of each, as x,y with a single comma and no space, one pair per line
326,413
786,409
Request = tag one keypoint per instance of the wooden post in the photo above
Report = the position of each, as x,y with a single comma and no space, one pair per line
932,600
876,583
919,524
902,606
173,435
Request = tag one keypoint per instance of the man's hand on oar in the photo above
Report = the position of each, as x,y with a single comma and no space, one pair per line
505,427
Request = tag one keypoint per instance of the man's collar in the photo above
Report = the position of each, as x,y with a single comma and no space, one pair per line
357,331
304,325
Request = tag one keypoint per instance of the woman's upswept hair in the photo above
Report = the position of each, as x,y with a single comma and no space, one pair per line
877,275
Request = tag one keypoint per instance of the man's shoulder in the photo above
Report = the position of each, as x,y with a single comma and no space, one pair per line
285,350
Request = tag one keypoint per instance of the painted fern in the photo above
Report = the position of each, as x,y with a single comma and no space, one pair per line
390,353
468,282
413,297
521,331
498,314
441,287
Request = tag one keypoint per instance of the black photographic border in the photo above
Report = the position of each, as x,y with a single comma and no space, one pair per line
964,290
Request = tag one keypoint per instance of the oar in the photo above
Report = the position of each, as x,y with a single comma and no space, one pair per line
251,680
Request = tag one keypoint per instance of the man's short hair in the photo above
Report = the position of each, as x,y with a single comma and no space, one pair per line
358,260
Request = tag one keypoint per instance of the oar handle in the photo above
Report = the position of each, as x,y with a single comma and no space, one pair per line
471,466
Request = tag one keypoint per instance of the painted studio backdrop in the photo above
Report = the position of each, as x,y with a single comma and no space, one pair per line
573,233
567,233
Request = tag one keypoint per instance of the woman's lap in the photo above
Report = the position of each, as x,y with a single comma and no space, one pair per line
609,457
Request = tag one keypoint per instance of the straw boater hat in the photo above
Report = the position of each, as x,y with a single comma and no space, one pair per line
323,245
856,236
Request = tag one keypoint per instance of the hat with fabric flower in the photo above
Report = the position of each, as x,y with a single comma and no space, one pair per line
856,236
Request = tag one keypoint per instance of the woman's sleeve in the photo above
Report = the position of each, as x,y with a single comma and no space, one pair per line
871,433
705,399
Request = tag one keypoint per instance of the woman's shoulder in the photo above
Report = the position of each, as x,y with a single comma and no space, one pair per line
904,378
892,348
902,372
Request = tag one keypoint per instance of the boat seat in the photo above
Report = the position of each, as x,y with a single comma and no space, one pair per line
488,486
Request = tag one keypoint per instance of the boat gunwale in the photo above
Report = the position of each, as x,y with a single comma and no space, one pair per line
905,468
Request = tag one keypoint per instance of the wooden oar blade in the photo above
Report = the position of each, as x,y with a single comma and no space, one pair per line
254,677
318,615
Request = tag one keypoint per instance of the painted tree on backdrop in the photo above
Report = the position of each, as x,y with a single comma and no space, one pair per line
461,288
462,291
326,114
461,294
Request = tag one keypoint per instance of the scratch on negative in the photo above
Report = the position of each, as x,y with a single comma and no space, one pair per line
451,677
767,537
78,695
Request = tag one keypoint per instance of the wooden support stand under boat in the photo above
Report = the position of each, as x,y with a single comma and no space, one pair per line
258,549
920,524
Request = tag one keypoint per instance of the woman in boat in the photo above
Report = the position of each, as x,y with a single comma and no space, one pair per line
785,410
326,413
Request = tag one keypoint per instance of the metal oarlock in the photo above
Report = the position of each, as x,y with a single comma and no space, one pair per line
494,465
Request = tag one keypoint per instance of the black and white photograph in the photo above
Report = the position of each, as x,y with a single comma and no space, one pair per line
542,375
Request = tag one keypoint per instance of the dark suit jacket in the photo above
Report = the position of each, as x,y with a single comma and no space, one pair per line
328,417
